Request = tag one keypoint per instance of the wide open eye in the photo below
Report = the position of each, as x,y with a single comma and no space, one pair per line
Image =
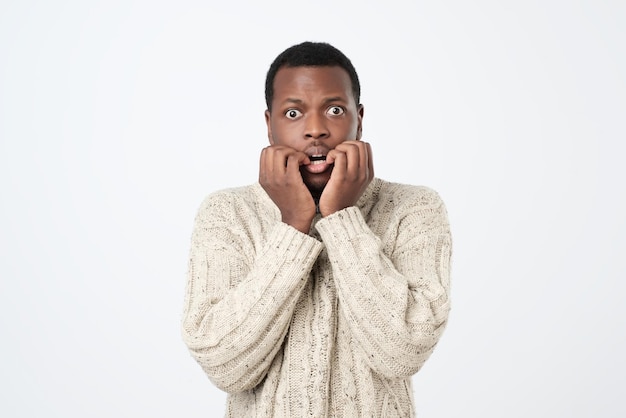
293,114
335,110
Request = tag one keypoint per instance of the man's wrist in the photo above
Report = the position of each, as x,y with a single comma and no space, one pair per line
301,225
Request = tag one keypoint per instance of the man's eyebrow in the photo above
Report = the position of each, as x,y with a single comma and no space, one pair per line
292,100
327,100
334,99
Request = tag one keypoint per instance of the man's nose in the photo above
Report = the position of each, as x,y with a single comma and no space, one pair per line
316,127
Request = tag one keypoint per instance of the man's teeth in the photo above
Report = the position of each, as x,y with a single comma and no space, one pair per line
317,159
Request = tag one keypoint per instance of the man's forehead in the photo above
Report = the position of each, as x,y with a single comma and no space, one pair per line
327,78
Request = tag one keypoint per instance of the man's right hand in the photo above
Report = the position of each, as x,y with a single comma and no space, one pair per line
279,175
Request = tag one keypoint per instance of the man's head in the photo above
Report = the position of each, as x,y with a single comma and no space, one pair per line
313,92
311,54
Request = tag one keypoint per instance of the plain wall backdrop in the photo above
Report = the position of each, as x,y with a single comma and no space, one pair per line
117,118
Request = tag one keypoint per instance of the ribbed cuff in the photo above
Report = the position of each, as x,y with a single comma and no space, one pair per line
342,226
287,245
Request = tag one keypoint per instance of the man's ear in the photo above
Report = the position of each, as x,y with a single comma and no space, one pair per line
269,127
359,128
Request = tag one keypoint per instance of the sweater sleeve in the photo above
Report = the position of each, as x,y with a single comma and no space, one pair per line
238,304
397,305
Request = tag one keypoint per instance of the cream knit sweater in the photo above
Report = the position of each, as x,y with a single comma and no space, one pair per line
330,324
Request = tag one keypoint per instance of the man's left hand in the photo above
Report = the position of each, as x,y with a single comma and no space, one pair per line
352,172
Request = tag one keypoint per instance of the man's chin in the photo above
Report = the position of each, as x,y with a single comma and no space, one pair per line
316,182
316,187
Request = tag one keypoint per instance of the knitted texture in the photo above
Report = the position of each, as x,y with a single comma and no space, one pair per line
329,324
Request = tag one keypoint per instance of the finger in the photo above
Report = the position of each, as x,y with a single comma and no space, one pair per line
332,154
294,161
364,158
303,159
299,157
345,146
354,158
370,160
330,157
365,167
281,156
340,164
263,165
270,162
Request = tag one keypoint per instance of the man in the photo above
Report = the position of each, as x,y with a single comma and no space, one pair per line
320,290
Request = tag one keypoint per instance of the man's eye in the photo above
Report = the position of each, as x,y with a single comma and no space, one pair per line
293,113
335,110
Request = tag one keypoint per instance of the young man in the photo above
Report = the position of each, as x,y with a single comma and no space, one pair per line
320,290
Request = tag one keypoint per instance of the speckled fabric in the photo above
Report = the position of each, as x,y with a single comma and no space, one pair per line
329,324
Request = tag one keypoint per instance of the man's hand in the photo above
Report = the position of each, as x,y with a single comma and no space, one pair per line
279,175
352,172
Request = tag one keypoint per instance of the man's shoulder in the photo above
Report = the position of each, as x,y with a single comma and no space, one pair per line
233,198
406,195
238,192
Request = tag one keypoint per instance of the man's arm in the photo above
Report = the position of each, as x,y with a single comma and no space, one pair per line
396,305
239,301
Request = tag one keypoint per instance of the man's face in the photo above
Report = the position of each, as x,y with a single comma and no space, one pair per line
313,111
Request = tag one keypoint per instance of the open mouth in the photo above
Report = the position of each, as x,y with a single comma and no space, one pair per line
317,159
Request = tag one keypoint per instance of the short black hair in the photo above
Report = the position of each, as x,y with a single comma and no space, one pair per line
311,54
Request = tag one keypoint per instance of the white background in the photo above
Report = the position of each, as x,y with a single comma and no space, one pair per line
118,117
